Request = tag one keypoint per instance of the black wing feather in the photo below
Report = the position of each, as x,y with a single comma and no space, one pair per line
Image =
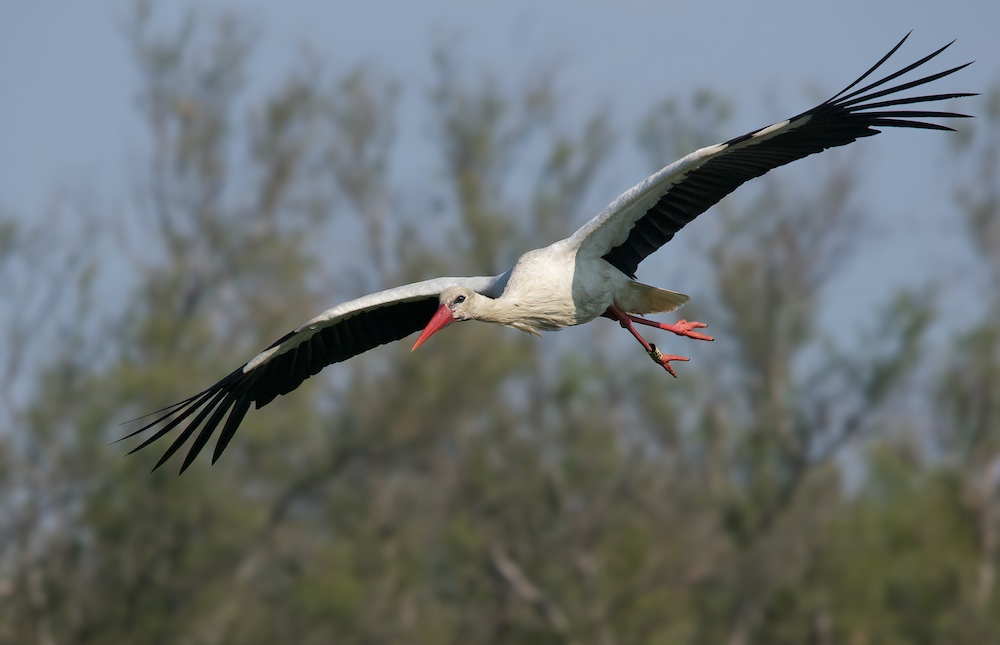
280,375
839,121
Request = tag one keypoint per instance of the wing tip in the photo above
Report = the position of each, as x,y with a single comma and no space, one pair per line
210,404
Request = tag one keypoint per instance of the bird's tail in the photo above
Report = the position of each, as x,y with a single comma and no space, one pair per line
650,300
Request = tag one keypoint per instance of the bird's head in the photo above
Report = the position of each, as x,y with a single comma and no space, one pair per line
457,304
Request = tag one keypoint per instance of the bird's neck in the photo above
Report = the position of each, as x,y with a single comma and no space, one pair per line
495,310
516,313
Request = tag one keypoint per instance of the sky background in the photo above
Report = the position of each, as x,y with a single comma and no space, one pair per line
68,86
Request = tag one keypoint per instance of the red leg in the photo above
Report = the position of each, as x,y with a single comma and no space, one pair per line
682,328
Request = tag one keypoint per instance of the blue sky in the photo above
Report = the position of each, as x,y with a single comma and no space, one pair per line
67,86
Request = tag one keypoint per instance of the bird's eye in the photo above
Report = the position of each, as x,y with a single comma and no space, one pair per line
459,299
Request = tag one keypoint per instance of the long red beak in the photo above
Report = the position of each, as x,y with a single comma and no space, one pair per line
442,318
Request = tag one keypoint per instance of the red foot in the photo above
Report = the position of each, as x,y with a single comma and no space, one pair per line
681,328
684,329
663,360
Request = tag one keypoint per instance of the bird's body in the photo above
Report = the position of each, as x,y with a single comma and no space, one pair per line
570,282
545,292
546,304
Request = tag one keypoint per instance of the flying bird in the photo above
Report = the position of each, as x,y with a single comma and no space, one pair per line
573,281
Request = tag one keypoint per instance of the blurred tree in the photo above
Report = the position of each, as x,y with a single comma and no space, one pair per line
969,390
498,489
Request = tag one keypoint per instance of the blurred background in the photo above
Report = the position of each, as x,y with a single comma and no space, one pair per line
182,183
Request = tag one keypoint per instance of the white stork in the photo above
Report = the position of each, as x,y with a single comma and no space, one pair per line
573,281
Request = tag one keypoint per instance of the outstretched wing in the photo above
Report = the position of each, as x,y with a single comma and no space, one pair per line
646,217
331,337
